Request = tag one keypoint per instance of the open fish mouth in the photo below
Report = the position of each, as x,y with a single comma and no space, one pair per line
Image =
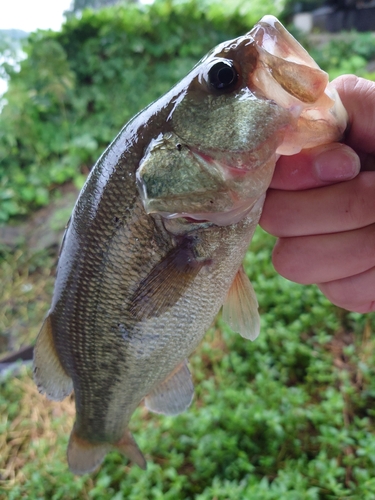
268,98
221,190
239,211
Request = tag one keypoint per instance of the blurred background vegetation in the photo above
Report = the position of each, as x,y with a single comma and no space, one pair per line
290,416
75,90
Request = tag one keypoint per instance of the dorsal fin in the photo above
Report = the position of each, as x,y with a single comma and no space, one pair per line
240,309
174,394
166,282
49,375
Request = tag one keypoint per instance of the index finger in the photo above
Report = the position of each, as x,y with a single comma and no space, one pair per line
341,207
312,168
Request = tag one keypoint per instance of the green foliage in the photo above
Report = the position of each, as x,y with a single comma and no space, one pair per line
78,87
8,53
346,53
79,5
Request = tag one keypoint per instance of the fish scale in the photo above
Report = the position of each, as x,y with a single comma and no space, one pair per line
192,324
155,244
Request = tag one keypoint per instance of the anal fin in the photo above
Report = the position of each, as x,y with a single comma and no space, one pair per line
49,375
240,310
174,395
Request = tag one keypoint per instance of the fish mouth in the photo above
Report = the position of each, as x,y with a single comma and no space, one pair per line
239,210
237,183
191,220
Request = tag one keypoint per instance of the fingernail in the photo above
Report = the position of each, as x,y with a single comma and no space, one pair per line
336,163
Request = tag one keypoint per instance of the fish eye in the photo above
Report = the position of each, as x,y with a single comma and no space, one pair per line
223,76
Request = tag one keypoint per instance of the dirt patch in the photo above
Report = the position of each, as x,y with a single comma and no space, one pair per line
45,227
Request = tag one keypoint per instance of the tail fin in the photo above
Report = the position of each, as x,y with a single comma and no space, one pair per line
84,456
129,448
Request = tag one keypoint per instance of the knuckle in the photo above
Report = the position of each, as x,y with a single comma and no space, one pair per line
338,293
286,259
359,208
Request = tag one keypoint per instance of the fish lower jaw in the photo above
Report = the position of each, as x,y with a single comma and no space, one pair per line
239,210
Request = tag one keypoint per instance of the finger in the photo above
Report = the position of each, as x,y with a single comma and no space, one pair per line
358,97
336,208
325,258
316,167
355,293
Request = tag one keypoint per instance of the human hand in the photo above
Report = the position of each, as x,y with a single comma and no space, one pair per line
326,227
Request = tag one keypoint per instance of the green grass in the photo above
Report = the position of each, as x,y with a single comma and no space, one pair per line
26,288
289,416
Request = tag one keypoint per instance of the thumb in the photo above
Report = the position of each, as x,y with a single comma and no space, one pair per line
358,97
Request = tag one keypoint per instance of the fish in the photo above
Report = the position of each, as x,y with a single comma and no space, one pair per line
154,246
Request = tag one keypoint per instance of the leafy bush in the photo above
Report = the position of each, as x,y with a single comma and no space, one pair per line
346,53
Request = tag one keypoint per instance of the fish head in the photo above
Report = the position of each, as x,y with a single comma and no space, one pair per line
245,103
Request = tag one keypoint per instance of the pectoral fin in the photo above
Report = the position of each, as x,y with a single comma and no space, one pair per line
240,309
174,394
166,283
49,375
84,456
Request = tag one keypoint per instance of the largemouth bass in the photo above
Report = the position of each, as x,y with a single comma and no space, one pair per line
155,244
